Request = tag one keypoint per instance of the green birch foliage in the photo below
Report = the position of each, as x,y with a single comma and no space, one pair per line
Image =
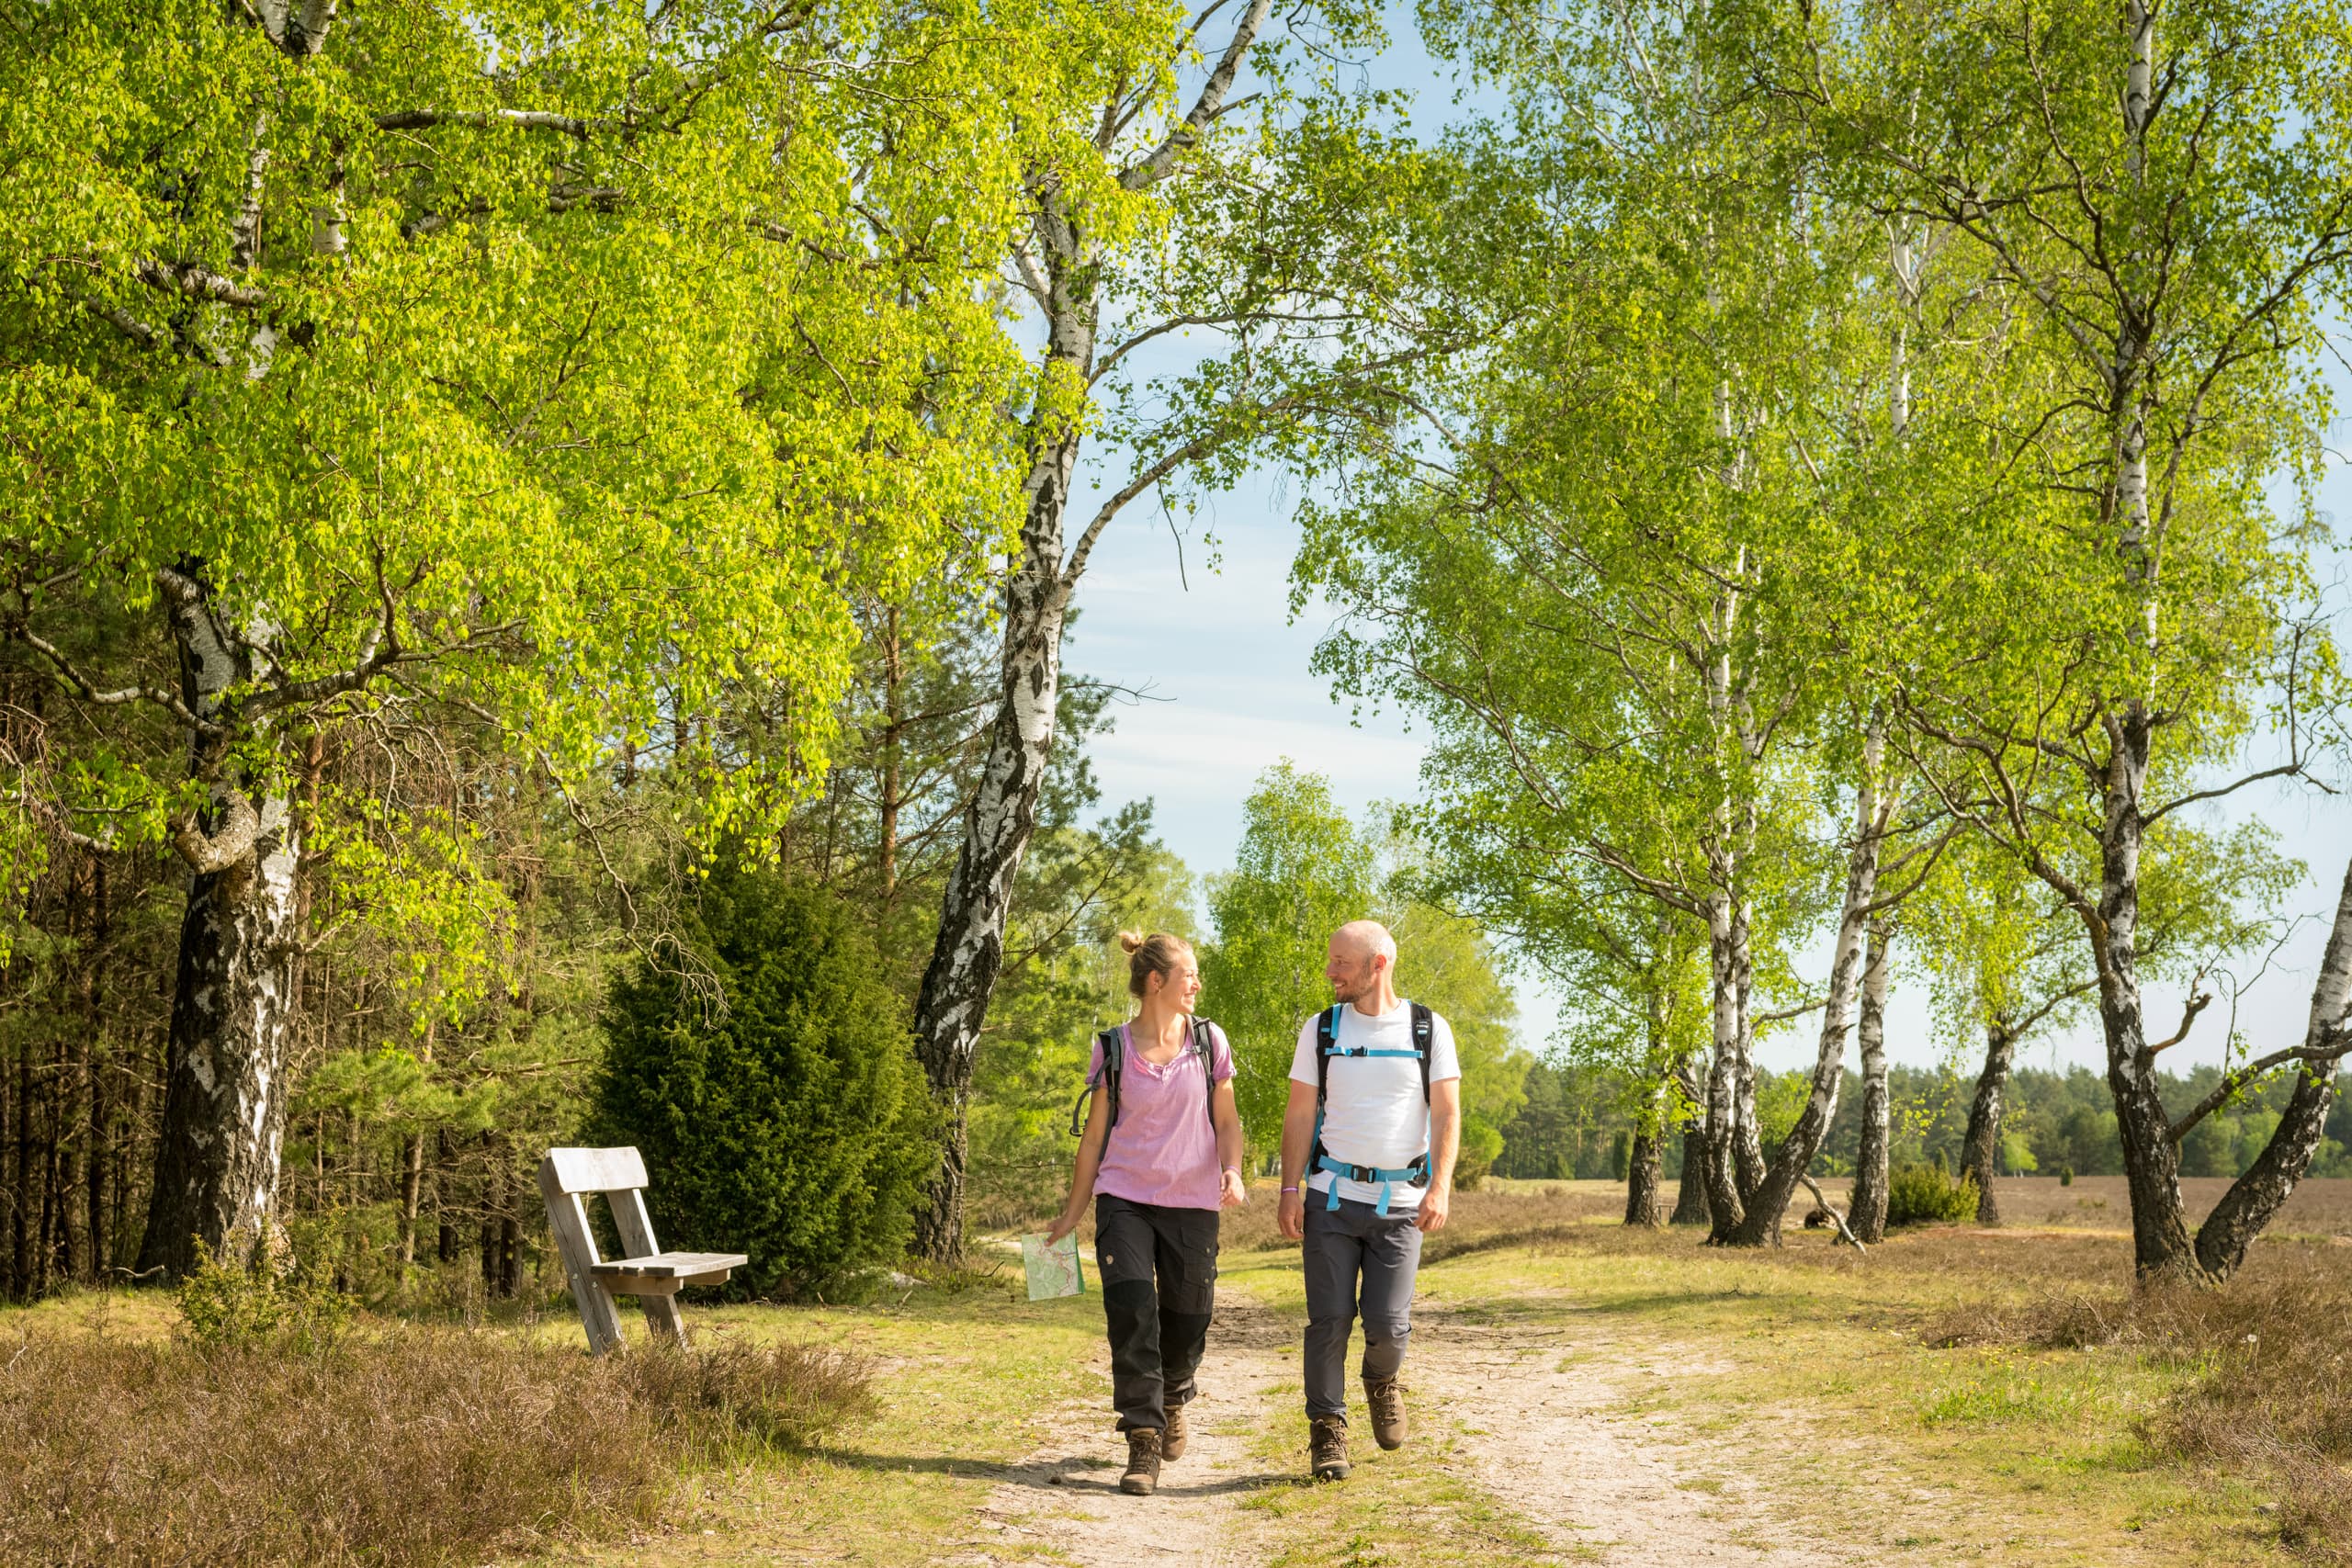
1301,872
571,364
2171,259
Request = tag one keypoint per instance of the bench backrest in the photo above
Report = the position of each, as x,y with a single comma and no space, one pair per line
619,1175
597,1170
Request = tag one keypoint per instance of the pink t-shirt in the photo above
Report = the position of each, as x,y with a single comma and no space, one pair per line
1163,1148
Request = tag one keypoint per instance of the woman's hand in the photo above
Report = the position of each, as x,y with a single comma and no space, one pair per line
1233,1195
1064,1225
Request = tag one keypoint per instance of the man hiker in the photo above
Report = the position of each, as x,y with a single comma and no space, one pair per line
1369,1139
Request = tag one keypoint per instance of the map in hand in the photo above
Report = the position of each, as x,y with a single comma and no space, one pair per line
1052,1270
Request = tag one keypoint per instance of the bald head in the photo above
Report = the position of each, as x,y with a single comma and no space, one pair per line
1365,939
1361,962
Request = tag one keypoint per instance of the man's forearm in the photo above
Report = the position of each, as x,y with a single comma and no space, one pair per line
1294,1136
1445,1134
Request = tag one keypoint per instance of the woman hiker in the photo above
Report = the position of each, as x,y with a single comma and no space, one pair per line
1160,1155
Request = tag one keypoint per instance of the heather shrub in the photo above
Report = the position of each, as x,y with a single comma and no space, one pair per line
274,1302
399,1448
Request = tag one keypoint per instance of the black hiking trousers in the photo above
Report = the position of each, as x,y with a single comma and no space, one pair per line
1159,1270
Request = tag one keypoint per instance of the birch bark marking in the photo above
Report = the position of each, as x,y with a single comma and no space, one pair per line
1873,807
225,1092
1867,1206
1691,1195
969,948
1980,1148
2256,1197
2160,1241
1726,955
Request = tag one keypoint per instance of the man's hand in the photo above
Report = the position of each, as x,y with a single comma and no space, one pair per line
1434,1204
1290,1218
1064,1225
1233,1195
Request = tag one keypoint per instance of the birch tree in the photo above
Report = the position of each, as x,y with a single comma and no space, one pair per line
2162,193
1640,566
1208,197
561,366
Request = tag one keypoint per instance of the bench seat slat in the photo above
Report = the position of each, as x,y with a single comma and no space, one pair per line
669,1265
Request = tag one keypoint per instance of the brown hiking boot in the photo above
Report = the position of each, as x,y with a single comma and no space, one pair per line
1327,1448
1143,1461
1172,1439
1387,1402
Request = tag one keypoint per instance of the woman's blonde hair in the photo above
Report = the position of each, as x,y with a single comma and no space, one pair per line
1149,955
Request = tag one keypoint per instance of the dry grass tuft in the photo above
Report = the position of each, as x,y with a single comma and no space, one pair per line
2272,1352
771,1393
398,1447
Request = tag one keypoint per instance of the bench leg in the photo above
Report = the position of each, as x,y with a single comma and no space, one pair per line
636,1228
569,1223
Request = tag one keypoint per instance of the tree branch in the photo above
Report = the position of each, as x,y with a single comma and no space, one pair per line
81,685
1160,161
2231,1082
486,119
231,841
2196,1004
196,283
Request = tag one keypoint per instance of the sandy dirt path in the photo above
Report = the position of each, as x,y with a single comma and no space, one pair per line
1543,1420
1064,1502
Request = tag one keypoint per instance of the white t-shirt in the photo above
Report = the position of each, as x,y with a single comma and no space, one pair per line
1373,1109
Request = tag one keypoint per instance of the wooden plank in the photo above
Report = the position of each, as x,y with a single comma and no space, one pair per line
577,1246
672,1265
636,1227
598,1170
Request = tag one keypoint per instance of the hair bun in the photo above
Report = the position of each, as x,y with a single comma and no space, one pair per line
1131,942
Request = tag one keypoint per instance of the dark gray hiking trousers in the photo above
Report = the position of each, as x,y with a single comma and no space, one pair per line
1357,1264
1158,1271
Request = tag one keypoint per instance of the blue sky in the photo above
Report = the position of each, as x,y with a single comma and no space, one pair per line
1225,667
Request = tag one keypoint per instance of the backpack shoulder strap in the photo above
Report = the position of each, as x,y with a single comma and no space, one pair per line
1105,1080
1327,1041
1204,1047
1115,1056
1424,1042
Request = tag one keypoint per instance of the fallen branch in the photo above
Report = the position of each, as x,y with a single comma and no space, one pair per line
1835,1217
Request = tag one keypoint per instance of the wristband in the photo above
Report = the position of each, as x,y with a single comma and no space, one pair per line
1290,1188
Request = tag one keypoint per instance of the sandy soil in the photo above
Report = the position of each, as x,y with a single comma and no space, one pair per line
1538,1432
1544,1430
1066,1501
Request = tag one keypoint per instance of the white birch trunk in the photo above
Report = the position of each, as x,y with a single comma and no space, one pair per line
225,1092
1761,1224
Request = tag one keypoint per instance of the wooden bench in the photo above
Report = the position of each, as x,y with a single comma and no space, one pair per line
649,1273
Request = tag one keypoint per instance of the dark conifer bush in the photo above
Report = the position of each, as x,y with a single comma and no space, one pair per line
789,1121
